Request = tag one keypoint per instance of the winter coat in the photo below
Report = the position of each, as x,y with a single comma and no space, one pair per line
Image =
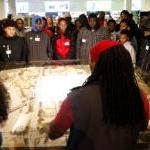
87,39
39,43
13,49
63,46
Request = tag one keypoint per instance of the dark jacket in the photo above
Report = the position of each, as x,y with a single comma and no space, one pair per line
63,46
39,43
89,131
13,49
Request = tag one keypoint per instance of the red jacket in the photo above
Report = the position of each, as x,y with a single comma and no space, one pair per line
63,47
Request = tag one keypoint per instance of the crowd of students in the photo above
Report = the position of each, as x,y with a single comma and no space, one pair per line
67,39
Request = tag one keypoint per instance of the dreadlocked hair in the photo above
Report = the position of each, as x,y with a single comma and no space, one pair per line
121,99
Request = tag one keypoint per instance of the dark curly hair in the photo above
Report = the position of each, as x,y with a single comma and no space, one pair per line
121,98
4,97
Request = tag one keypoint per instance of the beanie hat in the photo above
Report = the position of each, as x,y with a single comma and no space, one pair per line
8,23
100,48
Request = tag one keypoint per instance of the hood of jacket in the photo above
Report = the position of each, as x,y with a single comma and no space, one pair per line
34,19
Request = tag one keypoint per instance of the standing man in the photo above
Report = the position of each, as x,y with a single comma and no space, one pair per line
20,30
12,47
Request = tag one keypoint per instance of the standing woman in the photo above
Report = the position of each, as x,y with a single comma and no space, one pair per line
63,43
48,26
107,112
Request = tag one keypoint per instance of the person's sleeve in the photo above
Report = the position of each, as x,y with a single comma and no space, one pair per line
62,121
146,107
64,118
144,123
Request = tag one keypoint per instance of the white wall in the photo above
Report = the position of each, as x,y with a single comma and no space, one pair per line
75,5
145,5
2,9
117,5
12,7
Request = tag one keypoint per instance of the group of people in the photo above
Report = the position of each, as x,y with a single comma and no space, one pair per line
109,110
66,40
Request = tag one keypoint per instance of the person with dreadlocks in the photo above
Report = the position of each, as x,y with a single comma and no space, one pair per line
109,110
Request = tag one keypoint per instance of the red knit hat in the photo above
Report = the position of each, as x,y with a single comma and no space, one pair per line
101,47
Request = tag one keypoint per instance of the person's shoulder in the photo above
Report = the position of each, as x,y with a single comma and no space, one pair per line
29,33
18,38
81,90
128,44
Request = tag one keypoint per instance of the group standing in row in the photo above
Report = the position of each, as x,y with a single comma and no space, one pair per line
65,40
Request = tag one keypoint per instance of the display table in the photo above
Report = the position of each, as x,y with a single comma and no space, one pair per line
36,93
